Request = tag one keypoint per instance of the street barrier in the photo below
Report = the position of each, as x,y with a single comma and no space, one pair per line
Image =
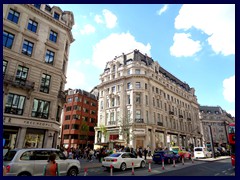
85,171
162,163
173,162
132,168
183,160
149,166
111,170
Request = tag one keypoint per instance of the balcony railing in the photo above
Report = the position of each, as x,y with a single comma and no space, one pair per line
180,116
139,120
62,96
111,122
160,123
13,80
171,113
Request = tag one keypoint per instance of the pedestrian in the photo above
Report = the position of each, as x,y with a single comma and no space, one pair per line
52,168
145,153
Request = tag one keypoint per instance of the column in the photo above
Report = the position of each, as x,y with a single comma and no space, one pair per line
21,137
178,142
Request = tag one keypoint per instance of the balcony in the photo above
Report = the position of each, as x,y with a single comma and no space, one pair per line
18,82
62,96
171,113
160,123
139,120
112,123
181,116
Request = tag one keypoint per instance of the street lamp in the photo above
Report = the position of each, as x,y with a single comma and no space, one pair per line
211,140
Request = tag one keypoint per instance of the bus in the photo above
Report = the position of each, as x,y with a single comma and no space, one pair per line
231,140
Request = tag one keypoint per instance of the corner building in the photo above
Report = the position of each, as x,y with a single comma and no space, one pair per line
141,104
36,42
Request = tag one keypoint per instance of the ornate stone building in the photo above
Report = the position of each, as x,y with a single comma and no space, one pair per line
36,42
218,120
142,104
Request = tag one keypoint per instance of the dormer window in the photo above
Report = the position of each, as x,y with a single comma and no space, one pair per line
48,8
56,16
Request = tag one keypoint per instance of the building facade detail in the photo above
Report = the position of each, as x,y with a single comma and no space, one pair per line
36,42
141,104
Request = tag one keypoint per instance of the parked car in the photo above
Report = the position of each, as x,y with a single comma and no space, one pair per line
30,162
167,155
222,151
201,152
181,151
122,161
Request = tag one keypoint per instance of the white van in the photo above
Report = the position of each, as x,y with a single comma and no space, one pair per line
201,152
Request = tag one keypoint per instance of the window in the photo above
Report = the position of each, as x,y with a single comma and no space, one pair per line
58,115
40,108
128,99
137,71
4,66
93,112
45,84
85,118
37,6
129,71
112,116
138,98
113,89
49,58
153,101
67,117
48,8
56,16
85,110
138,85
145,85
76,108
21,75
101,105
13,16
69,100
53,36
8,39
129,85
113,102
146,98
14,104
32,25
138,114
27,47
66,126
75,126
76,117
76,99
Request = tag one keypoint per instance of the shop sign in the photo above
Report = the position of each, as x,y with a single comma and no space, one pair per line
41,124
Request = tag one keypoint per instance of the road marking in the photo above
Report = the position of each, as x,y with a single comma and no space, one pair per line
216,174
223,171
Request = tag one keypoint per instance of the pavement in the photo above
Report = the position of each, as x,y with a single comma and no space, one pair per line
95,163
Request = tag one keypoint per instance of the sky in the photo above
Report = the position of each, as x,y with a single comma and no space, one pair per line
195,43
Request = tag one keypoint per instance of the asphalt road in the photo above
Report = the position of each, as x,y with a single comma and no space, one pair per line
198,168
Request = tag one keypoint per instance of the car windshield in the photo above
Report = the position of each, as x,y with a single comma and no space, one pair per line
198,149
114,155
9,155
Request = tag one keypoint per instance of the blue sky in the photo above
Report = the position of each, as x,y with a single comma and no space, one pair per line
195,43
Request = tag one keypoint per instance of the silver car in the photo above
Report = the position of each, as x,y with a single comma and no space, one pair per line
30,162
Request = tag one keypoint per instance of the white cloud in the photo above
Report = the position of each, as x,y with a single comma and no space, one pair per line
216,20
184,46
75,79
229,89
115,45
87,29
75,29
98,19
110,18
162,10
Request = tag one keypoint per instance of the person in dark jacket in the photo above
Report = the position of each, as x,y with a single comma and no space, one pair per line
145,153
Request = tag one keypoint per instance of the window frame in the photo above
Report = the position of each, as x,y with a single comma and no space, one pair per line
43,85
10,109
7,38
13,17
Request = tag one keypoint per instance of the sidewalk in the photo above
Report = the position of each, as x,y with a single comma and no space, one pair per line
213,159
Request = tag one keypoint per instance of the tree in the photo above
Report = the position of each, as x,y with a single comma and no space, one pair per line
84,130
103,130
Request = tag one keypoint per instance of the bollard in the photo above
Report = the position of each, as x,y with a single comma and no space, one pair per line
173,162
85,171
132,168
162,164
183,160
111,170
149,166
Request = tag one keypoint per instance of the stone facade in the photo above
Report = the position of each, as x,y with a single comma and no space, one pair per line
218,119
36,42
141,104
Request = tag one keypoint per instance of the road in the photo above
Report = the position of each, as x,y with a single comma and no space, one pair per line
198,168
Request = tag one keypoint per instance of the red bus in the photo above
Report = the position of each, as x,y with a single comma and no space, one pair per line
231,139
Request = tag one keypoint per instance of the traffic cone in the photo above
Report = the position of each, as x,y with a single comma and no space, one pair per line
132,168
163,164
85,171
149,166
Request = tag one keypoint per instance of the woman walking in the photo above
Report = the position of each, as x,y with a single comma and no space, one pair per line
51,169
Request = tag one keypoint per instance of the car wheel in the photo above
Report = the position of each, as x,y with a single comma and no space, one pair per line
24,174
123,167
72,172
142,165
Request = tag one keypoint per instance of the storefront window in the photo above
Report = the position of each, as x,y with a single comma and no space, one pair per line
34,138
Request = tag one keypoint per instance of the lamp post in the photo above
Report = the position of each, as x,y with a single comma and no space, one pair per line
211,140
